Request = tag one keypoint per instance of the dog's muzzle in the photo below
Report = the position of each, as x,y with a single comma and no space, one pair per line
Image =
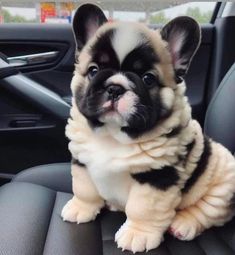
115,91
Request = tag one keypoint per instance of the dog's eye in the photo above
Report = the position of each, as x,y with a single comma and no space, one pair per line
149,79
92,71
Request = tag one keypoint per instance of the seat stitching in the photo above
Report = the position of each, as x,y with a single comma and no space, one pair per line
31,184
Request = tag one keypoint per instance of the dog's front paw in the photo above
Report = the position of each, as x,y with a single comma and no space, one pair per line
78,211
136,239
184,228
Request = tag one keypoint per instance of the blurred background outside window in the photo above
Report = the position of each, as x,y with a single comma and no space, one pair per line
61,11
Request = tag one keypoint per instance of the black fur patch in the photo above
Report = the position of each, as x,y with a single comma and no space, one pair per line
183,158
161,179
77,162
103,49
232,202
174,132
78,94
189,148
201,166
95,123
90,104
149,111
144,56
178,79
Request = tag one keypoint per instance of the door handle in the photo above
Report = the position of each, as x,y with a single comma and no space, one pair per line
31,59
22,123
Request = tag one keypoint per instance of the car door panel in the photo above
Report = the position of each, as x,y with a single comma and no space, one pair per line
197,76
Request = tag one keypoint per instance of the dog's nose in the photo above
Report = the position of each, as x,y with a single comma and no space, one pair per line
115,91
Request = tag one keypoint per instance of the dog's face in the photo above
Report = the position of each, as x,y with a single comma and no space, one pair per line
126,73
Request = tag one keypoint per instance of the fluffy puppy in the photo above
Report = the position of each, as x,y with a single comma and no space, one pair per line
134,144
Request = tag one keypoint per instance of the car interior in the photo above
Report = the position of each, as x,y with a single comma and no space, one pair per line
36,67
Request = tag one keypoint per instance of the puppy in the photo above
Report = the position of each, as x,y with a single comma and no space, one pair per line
134,144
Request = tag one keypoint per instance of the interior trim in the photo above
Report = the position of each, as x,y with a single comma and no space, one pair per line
229,10
37,94
32,58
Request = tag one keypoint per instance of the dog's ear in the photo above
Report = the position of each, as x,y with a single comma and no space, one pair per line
183,35
87,19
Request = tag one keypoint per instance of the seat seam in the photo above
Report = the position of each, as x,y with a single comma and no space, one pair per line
49,223
35,185
32,168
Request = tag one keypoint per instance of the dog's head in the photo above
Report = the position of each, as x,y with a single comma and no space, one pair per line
126,73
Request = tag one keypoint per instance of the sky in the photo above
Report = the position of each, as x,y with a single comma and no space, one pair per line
30,13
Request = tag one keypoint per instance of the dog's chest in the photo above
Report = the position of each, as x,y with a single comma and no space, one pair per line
106,164
113,187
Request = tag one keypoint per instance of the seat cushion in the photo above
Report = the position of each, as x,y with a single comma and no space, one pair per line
54,176
30,206
30,224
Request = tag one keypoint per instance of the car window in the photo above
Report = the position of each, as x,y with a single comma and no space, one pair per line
61,11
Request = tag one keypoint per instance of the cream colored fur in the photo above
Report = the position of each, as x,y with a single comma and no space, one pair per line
110,158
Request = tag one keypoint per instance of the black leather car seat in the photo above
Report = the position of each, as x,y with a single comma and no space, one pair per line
220,116
31,204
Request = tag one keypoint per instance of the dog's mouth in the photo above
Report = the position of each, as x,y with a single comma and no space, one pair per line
109,106
114,100
117,109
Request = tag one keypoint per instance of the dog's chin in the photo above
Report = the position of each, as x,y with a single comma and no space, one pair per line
112,123
114,118
118,112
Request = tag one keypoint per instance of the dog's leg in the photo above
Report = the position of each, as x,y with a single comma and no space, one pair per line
149,213
86,202
213,209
